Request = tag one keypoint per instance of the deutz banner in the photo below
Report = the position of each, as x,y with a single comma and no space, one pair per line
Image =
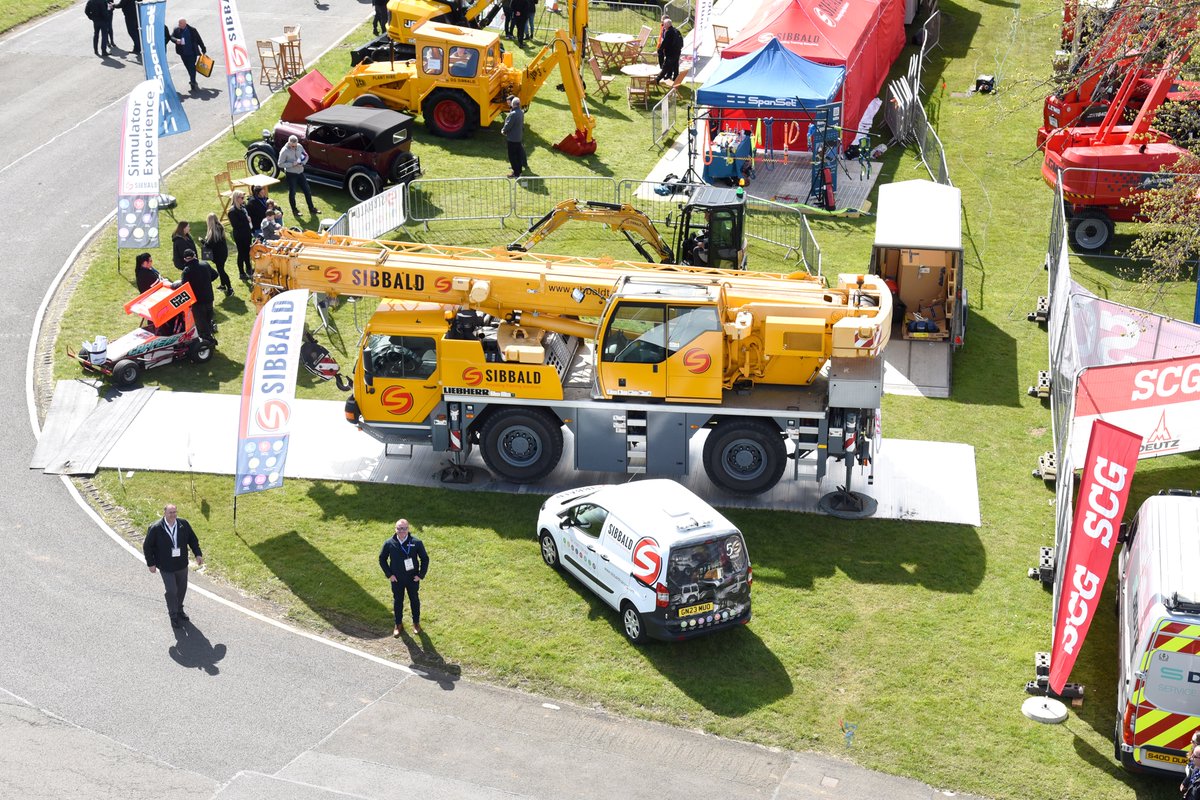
268,392
137,180
1111,458
239,72
152,14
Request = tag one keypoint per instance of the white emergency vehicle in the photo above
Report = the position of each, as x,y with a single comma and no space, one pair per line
668,561
1158,609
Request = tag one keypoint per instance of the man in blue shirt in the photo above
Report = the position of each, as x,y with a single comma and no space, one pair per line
404,561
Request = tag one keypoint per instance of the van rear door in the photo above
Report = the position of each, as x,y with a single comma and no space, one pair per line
1169,711
709,580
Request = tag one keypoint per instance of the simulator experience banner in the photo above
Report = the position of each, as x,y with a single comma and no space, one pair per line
269,392
1103,491
152,14
137,180
239,72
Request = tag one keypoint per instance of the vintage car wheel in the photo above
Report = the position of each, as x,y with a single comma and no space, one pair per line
369,101
200,351
363,184
261,160
450,114
126,372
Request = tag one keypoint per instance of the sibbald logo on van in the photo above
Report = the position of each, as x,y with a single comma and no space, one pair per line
647,561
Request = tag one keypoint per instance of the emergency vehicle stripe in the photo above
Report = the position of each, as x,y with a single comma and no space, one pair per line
1166,731
1181,743
1180,629
1152,724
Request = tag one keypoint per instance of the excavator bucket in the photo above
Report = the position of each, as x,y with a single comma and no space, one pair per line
577,144
305,96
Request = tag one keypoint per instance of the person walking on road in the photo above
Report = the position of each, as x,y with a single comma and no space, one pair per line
380,22
101,16
129,9
216,250
243,233
292,159
199,275
188,46
670,48
514,133
404,562
165,548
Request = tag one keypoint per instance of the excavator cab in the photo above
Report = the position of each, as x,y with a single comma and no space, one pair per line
711,230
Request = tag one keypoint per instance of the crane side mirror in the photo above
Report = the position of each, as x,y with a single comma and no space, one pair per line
368,378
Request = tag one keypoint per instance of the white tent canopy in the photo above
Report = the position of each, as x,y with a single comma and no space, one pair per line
919,214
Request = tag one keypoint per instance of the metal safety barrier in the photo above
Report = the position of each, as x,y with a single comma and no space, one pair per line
378,215
458,198
663,117
784,227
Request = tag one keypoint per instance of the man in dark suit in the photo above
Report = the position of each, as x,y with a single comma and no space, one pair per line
101,16
188,46
404,561
165,548
199,275
129,9
670,48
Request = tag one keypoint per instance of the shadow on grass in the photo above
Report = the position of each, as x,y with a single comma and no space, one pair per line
184,376
986,367
319,582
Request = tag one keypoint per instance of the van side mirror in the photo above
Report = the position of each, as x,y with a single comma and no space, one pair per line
1123,533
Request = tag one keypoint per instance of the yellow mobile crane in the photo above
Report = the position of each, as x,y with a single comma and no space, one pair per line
501,350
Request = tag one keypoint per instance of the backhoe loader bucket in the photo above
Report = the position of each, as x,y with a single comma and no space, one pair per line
577,144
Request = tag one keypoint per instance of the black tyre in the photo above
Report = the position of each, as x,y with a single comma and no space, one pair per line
521,446
363,184
549,549
200,351
261,160
631,624
450,114
744,456
1090,231
126,372
369,101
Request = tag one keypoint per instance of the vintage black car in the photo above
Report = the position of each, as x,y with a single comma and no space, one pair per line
359,149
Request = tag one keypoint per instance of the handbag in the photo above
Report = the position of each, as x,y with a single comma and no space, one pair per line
204,64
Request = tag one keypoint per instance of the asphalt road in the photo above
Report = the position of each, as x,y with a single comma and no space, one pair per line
99,698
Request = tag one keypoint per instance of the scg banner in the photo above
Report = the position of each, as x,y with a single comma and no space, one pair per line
138,173
239,72
1107,473
152,14
269,392
1158,400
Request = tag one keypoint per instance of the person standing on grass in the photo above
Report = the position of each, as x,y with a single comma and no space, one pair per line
144,272
670,48
215,248
243,233
199,276
404,562
256,206
165,548
292,159
181,242
514,134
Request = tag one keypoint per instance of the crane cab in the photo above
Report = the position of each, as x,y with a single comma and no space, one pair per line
711,231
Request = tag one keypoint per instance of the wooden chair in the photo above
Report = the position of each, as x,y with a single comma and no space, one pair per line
224,191
236,169
639,91
633,50
293,58
602,80
721,36
684,68
269,74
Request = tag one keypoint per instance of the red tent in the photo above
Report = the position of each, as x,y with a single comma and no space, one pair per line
864,36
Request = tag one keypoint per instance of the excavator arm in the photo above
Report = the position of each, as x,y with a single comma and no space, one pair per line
637,227
562,54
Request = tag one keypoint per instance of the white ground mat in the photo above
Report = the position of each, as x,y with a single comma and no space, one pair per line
183,432
912,367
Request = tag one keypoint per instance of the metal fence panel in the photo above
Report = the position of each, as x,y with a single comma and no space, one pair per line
604,17
535,195
455,198
341,226
378,215
663,117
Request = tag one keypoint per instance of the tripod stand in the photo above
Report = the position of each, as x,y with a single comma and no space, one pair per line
690,176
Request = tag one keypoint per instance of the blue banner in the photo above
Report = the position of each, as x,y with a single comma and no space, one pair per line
152,15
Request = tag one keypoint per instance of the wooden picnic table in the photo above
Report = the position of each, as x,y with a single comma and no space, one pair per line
610,48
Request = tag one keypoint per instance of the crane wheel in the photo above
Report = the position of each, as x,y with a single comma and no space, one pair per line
1090,230
744,456
521,445
450,113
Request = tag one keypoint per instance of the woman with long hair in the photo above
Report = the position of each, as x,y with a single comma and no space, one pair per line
243,233
216,250
181,242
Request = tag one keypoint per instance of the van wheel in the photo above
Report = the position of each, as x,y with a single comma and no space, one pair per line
549,550
126,372
521,446
1117,739
744,456
631,623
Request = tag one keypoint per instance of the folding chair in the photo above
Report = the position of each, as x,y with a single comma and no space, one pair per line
684,68
633,50
639,91
224,191
721,36
236,169
270,74
602,80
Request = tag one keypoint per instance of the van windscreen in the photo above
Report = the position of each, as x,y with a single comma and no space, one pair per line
709,575
1173,682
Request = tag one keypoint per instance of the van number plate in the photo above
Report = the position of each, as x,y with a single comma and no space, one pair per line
1165,757
700,609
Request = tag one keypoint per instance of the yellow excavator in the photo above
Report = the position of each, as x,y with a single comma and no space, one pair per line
460,81
405,16
502,350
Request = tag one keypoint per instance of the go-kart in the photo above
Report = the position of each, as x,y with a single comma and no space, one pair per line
168,335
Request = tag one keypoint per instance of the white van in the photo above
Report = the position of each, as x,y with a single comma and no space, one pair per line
668,561
1158,609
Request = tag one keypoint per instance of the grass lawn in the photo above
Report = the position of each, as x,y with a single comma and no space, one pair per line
16,12
920,634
